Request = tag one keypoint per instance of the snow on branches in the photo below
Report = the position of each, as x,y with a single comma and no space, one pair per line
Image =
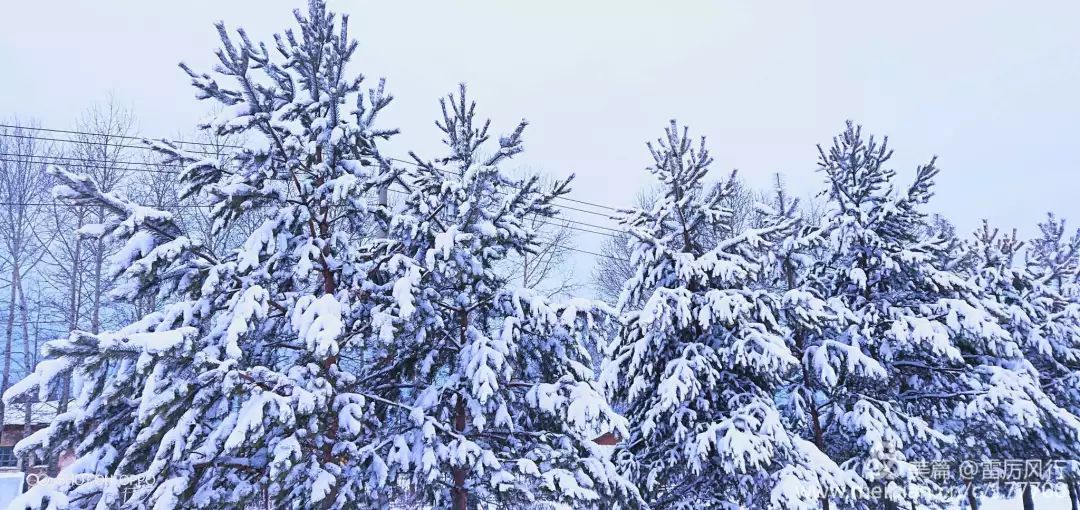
698,366
236,389
340,351
492,396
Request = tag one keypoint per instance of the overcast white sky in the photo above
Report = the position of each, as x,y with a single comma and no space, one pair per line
992,87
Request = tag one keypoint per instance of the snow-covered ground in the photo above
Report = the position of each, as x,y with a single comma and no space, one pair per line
10,486
1043,501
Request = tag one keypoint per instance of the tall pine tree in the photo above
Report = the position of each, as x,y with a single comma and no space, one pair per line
806,315
1054,264
237,392
1043,431
698,365
488,387
921,357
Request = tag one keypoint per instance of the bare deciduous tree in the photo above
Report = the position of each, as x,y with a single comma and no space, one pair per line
613,266
548,270
101,150
67,263
155,186
199,221
23,187
74,278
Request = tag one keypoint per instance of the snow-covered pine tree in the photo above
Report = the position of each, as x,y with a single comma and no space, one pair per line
1054,263
698,365
236,391
844,383
922,356
806,315
1031,313
488,395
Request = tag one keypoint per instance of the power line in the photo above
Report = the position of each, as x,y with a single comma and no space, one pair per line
137,167
573,225
556,222
131,166
122,137
94,142
143,147
554,244
601,227
587,252
413,163
222,146
58,204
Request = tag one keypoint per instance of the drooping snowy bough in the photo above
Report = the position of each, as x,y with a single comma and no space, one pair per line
234,391
920,364
1032,287
698,366
495,401
347,354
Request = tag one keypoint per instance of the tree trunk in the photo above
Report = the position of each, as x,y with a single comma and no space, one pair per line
74,308
819,437
815,415
459,495
74,300
815,419
1074,496
5,379
28,364
99,254
1029,503
384,200
973,502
